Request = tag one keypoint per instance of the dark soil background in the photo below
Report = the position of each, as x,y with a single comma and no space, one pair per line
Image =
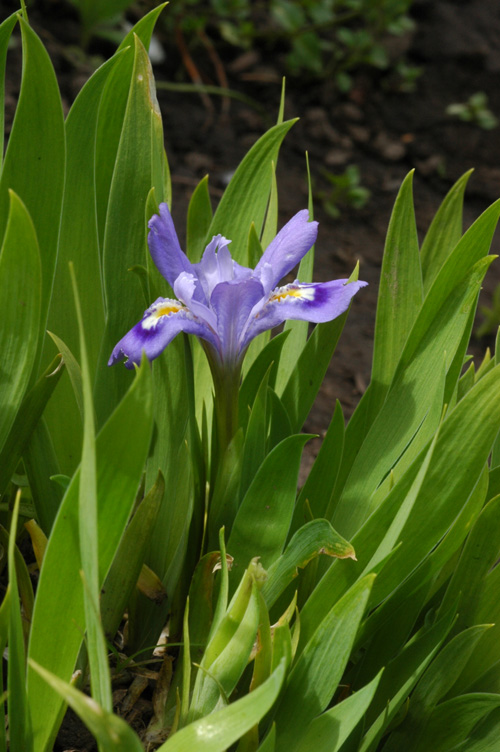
381,129
378,127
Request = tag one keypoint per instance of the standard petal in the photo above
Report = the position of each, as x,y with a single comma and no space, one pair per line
164,246
286,250
185,287
232,303
216,265
160,324
307,302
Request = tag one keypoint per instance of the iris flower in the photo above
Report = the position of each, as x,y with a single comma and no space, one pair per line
226,305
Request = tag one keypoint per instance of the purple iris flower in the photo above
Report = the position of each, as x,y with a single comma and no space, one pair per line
225,304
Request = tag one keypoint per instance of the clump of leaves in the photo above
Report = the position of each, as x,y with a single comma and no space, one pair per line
326,38
345,190
475,110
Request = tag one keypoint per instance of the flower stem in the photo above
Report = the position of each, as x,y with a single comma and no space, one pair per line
226,378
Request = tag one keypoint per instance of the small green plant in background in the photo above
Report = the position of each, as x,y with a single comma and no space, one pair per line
325,38
94,13
346,190
475,110
320,38
359,612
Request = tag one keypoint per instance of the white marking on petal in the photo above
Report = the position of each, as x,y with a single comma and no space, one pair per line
291,292
160,309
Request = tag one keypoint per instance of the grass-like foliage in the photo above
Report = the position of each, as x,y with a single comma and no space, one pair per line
355,615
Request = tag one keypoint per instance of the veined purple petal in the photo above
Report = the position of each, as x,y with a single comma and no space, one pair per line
160,324
232,303
165,248
185,287
217,266
316,303
286,250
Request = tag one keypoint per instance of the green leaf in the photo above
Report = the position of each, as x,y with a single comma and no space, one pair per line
446,488
269,356
41,464
245,200
317,672
484,737
111,732
269,743
225,497
112,113
6,29
74,371
254,449
126,566
34,160
20,306
432,687
315,538
452,721
328,732
59,618
125,242
27,417
229,647
219,730
263,519
400,676
23,582
473,245
199,219
100,679
444,233
410,397
305,379
316,491
5,607
20,736
479,555
78,244
400,290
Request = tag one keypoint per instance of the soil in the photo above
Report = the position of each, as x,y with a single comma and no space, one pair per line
377,126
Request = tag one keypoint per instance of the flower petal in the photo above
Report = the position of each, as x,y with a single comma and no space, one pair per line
317,303
165,248
233,302
217,266
160,324
185,287
288,248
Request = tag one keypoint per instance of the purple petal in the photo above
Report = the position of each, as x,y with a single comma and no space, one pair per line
164,246
307,302
160,324
217,266
288,248
185,288
233,302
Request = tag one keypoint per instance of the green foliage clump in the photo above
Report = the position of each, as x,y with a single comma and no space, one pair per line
475,110
321,37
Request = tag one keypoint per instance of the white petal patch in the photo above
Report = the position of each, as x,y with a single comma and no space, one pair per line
291,292
158,310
